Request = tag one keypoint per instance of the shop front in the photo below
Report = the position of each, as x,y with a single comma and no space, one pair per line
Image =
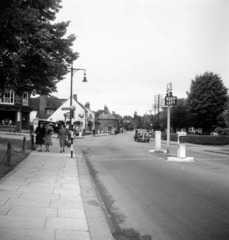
14,117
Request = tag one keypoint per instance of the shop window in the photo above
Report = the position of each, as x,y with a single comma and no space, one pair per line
25,99
7,97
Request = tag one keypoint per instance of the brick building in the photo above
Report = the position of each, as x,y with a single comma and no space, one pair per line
107,122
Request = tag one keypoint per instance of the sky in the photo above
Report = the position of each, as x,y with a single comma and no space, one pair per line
131,49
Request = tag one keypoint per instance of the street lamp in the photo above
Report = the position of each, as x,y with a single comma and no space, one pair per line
72,108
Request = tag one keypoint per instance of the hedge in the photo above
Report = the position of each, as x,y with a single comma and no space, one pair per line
201,139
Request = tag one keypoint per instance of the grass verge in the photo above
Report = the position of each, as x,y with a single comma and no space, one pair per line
16,155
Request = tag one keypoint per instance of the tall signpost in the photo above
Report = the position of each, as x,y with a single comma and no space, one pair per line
170,100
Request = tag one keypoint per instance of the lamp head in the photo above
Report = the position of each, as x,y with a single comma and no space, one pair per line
84,78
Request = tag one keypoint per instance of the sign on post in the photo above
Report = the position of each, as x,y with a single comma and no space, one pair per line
72,108
170,100
66,108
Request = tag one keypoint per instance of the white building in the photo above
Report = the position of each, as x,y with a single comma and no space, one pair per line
83,117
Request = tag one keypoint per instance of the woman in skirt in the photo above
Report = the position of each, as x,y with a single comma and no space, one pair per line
62,135
48,137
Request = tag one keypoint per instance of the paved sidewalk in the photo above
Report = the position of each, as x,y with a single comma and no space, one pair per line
42,199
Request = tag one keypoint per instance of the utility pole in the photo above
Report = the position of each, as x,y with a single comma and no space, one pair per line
157,106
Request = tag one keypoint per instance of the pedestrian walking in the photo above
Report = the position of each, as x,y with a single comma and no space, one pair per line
48,136
40,135
62,135
93,131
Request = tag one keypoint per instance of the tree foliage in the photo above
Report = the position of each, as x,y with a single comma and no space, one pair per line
206,100
34,52
180,116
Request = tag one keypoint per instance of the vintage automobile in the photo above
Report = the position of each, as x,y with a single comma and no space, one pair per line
141,135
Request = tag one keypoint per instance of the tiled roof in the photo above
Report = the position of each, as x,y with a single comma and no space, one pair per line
107,116
55,102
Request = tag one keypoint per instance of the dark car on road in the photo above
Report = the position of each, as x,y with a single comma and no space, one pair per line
141,135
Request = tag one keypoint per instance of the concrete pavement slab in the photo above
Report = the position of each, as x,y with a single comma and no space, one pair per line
15,183
42,179
12,222
64,181
66,204
36,189
45,185
40,196
76,197
32,211
26,234
72,186
10,194
4,209
66,191
8,187
73,235
71,213
36,202
67,224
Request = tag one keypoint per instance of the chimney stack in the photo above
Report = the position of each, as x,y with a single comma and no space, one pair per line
105,109
87,105
43,103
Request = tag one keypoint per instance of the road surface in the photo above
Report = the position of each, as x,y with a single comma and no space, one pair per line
156,198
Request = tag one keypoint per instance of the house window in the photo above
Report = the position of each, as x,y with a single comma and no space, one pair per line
49,111
7,97
25,99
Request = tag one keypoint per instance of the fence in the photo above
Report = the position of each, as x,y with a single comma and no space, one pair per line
7,158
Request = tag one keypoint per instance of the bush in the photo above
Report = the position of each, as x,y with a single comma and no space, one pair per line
225,131
208,140
202,139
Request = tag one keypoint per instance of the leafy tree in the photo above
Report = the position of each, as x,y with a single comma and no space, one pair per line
206,100
34,54
180,115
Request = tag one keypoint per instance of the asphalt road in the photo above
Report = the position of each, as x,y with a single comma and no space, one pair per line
157,198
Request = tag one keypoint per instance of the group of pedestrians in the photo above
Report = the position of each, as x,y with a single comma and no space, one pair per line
44,136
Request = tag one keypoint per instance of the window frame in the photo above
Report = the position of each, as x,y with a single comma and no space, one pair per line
27,99
11,97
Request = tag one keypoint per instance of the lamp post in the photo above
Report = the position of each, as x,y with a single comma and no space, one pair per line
72,108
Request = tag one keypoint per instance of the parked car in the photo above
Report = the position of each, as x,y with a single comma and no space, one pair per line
214,134
141,135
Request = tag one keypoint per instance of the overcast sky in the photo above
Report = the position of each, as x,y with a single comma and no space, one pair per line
131,49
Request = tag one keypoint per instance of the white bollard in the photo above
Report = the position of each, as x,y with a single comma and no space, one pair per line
181,148
80,133
157,141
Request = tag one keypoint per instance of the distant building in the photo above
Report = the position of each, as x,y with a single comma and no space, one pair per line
107,122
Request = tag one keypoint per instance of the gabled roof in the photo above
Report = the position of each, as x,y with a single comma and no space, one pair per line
56,102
